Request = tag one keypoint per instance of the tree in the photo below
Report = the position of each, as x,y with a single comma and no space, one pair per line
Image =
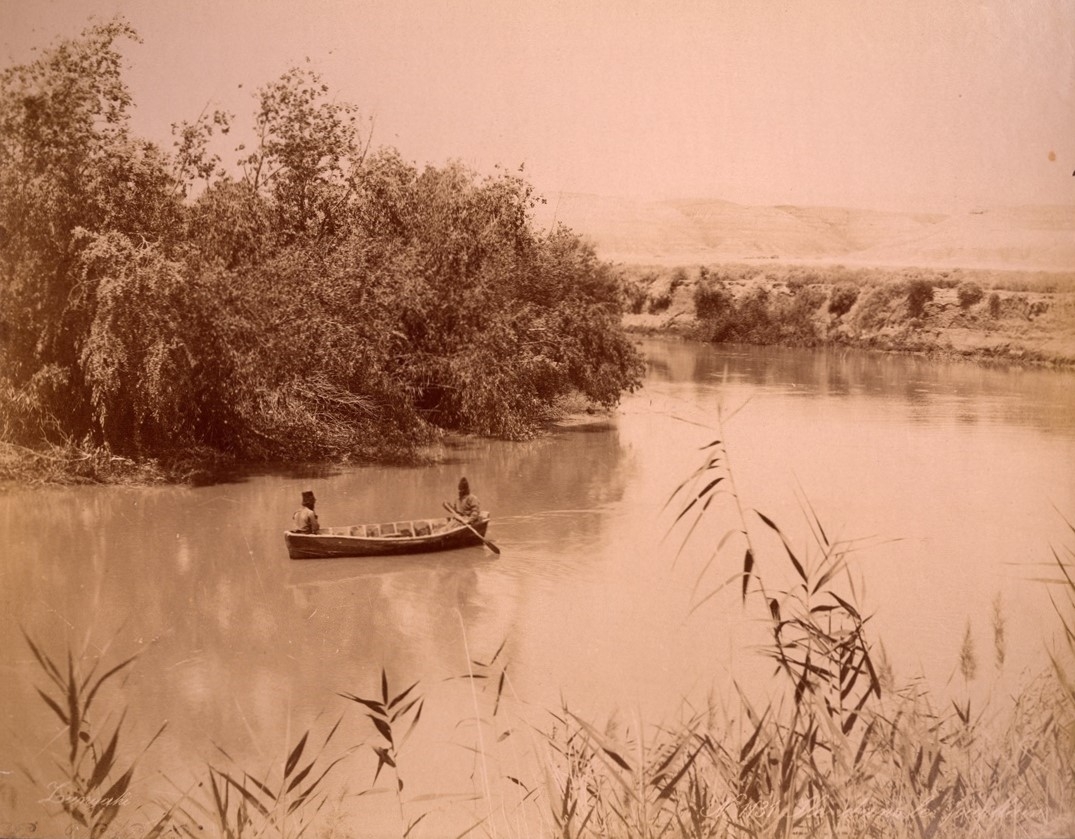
193,160
230,224
152,357
308,154
68,166
326,303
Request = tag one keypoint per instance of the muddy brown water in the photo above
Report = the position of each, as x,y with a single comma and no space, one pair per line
951,479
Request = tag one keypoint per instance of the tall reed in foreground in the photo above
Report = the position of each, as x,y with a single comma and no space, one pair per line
812,743
280,803
395,717
96,786
1063,663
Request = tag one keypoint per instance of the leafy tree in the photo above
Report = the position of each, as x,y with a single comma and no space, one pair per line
152,358
504,320
308,154
229,224
386,202
193,160
68,164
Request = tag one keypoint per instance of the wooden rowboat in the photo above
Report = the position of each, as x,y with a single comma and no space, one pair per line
387,539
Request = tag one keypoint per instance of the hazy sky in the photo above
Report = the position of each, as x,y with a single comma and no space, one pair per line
903,104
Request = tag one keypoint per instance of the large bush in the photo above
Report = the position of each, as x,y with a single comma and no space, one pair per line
330,300
842,298
968,293
919,292
712,300
876,307
758,316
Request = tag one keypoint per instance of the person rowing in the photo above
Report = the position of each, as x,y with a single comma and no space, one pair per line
467,506
467,511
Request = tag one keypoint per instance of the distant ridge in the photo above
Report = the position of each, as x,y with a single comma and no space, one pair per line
663,232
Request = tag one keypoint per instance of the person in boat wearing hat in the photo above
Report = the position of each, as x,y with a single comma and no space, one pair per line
305,518
467,505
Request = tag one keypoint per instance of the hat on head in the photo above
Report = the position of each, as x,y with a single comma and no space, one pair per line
308,495
464,487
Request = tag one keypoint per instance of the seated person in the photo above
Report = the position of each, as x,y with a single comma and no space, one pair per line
305,519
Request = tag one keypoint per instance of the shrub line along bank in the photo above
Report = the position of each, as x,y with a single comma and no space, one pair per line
987,316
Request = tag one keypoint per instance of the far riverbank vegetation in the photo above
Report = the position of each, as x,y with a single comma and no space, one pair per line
312,298
1020,317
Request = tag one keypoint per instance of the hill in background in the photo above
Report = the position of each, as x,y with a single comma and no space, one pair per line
684,232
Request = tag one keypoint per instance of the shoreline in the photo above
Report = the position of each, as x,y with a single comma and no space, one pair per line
1018,321
988,357
1015,319
84,464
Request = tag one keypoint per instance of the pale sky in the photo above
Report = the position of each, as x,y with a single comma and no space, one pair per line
889,104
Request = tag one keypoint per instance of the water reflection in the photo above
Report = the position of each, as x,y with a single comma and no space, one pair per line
930,390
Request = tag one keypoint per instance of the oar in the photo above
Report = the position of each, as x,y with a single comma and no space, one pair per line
485,541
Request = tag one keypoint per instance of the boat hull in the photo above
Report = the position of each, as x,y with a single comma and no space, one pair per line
401,538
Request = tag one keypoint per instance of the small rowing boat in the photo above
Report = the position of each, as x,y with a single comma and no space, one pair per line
387,539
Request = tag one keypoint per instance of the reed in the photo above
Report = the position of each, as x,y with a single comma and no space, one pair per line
282,801
96,786
1063,664
838,750
395,717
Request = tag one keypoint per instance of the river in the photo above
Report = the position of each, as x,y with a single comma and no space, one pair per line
950,480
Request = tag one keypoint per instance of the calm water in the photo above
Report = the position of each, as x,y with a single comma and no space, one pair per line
954,478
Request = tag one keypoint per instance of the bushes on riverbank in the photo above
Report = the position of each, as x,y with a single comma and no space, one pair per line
330,301
945,312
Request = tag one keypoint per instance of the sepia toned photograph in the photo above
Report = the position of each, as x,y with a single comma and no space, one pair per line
518,419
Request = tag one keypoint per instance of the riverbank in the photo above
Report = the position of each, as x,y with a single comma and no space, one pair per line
987,316
1006,317
86,463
